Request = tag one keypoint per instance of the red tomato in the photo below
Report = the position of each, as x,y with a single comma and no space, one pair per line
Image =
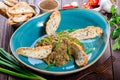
67,6
93,2
87,5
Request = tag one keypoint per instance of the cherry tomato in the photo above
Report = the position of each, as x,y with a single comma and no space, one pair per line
87,6
93,2
68,6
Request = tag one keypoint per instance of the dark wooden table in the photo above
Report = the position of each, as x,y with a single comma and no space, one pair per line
112,73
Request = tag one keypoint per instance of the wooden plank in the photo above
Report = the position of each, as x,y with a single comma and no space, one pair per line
116,64
116,54
2,41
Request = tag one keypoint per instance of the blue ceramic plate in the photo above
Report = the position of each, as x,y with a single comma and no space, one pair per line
34,29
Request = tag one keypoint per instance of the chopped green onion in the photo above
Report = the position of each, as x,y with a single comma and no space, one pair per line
56,45
63,34
50,65
68,51
58,42
88,50
78,42
46,39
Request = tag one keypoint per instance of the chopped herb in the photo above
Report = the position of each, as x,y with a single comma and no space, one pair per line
63,34
68,51
115,33
50,65
46,39
60,33
88,50
113,10
56,45
78,42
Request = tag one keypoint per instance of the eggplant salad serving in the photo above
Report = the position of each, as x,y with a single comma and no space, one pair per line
58,47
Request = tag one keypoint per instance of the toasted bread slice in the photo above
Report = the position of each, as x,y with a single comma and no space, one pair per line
87,33
37,52
53,23
9,15
10,21
10,3
81,58
21,8
21,18
3,9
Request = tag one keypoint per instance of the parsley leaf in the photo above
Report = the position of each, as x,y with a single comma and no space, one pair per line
117,44
114,22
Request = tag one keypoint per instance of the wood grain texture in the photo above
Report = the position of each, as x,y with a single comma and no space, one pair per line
118,9
111,73
2,41
116,64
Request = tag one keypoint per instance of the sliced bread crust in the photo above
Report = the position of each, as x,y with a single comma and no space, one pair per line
81,58
21,18
37,52
10,2
53,23
87,33
3,9
10,21
20,8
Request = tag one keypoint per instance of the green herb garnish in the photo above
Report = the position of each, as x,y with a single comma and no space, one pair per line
46,39
88,50
63,34
56,45
114,22
58,42
78,42
50,65
117,44
15,69
69,51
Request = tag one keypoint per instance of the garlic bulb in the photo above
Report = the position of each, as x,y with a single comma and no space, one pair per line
105,5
